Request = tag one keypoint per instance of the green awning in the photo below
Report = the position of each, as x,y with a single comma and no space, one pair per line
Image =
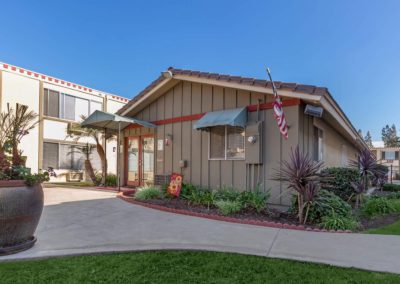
104,120
233,117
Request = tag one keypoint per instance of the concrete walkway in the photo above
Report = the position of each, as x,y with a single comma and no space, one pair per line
79,221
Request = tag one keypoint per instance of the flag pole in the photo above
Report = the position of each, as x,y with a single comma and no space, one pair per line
272,82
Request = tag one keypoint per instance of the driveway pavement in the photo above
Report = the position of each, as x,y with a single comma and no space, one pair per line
79,221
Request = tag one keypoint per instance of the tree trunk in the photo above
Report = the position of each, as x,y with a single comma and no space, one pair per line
90,172
102,155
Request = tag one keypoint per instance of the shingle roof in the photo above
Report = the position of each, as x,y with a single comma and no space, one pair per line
308,89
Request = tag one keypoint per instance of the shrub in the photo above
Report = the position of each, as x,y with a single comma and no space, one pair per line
256,200
326,204
146,193
377,206
338,180
111,179
336,222
391,187
227,207
394,195
227,193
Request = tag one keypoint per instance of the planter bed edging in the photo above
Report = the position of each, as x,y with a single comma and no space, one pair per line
125,196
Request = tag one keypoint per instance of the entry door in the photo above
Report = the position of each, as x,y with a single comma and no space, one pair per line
140,160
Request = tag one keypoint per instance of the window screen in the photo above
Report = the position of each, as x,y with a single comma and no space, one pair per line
51,103
217,142
81,108
95,106
78,158
50,155
235,142
67,107
65,157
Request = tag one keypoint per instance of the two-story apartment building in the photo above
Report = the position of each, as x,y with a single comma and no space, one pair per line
388,156
58,103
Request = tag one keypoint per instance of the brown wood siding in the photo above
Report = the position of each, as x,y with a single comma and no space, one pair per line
193,145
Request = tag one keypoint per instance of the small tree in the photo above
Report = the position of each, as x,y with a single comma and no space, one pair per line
389,136
20,121
368,139
87,151
301,174
78,132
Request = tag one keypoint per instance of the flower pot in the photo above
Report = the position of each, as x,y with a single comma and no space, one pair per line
20,210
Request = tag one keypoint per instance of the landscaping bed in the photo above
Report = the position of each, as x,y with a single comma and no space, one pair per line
267,217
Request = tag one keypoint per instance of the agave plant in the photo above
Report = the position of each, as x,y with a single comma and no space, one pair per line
301,175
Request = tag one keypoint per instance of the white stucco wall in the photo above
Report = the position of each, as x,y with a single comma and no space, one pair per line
23,90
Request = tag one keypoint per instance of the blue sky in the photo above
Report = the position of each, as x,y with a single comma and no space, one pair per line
351,47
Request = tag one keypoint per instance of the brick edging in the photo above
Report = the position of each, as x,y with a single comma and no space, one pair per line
125,196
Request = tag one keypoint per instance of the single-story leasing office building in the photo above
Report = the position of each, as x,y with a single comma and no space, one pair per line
219,130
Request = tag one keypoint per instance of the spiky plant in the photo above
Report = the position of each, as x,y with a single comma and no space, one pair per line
300,172
367,167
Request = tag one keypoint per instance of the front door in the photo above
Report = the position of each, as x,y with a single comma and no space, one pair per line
140,160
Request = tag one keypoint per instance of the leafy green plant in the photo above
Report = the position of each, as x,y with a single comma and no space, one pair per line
227,193
377,206
324,205
227,207
111,179
33,179
147,193
336,222
256,200
338,180
394,195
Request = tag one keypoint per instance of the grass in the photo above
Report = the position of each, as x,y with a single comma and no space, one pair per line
71,184
392,229
181,267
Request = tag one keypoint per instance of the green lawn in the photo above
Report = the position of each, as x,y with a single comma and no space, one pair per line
181,267
392,229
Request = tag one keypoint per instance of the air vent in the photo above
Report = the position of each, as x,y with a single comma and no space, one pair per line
314,110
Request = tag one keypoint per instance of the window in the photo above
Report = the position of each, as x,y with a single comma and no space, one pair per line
51,103
50,155
226,143
68,107
95,106
390,155
68,157
344,159
318,144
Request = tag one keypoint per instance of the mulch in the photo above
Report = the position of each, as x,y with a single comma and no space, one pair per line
272,216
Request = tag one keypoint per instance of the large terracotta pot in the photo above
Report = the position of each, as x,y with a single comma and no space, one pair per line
20,210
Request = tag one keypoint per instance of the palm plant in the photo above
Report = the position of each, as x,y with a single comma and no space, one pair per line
87,151
77,132
301,175
20,121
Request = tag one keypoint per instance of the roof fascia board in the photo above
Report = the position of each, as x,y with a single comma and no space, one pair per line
158,87
251,88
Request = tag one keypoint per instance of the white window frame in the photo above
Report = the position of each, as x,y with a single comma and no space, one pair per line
226,143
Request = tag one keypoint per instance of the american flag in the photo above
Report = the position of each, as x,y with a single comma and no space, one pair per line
278,110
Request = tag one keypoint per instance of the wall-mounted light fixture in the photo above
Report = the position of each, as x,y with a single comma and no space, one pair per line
252,139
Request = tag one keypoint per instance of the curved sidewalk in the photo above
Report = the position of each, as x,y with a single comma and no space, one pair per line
79,221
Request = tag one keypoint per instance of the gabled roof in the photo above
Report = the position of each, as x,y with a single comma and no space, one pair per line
307,93
294,87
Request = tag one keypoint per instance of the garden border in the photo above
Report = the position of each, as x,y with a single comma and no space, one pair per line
124,195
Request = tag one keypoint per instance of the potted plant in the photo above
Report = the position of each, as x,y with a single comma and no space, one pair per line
21,193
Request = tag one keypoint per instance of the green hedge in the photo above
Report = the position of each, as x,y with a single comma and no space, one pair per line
338,180
391,187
